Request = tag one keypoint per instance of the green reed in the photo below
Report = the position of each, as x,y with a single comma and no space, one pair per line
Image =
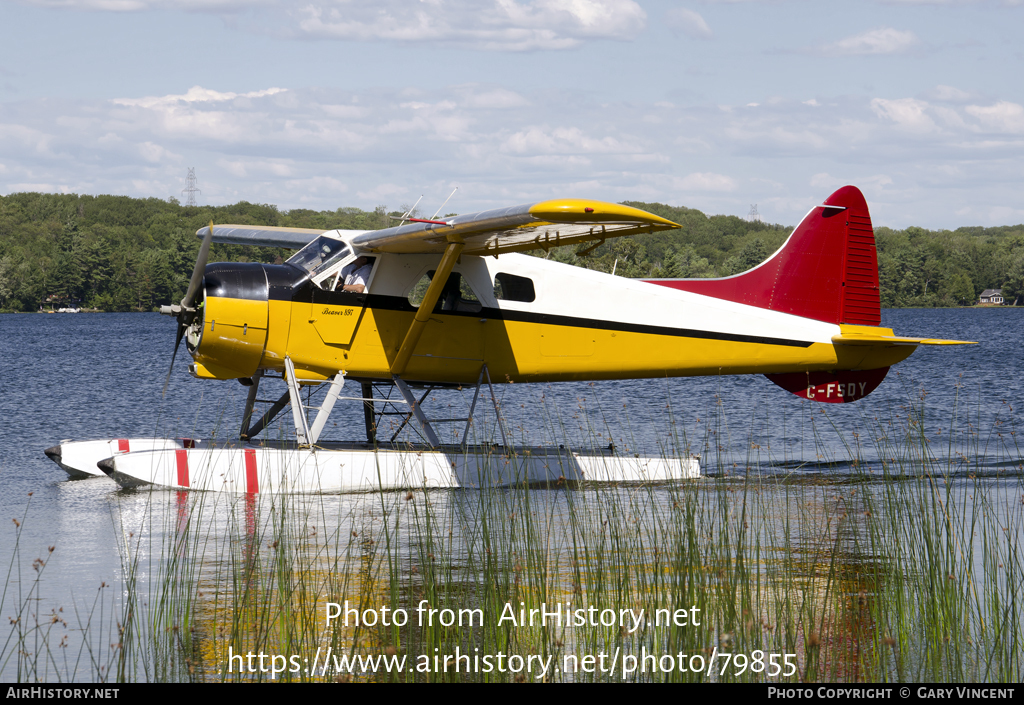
904,569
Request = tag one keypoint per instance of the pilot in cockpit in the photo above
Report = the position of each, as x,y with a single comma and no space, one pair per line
356,273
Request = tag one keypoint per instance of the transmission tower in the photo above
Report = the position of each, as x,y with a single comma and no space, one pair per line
753,216
190,188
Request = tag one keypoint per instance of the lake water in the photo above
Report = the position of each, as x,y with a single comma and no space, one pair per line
100,375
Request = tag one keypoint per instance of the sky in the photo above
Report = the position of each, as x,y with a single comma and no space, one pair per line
714,104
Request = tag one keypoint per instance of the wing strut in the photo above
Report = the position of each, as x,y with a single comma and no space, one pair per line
419,322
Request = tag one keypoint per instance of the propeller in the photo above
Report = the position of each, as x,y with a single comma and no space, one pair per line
185,311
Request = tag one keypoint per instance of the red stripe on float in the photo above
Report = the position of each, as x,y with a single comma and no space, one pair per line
181,456
252,484
122,445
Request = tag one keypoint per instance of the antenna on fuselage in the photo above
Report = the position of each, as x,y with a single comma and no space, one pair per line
443,204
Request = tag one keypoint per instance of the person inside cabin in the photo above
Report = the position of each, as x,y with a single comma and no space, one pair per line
356,273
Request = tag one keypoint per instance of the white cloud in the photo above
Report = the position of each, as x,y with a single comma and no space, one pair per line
507,25
384,192
705,181
882,2
1005,214
1003,117
259,168
155,154
195,94
688,22
952,2
504,25
106,5
34,186
36,141
491,99
947,117
564,141
908,113
141,5
883,40
325,148
823,180
874,182
922,118
948,94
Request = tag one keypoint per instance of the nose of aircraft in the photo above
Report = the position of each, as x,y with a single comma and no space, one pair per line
229,332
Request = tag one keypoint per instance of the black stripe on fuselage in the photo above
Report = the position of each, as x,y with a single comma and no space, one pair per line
572,321
308,293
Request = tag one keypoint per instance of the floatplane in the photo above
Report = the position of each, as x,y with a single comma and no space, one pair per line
453,302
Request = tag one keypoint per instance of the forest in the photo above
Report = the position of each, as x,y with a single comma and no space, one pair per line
116,253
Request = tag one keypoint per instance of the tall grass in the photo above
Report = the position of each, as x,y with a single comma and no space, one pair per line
895,563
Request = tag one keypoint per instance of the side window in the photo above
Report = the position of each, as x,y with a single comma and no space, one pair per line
330,281
509,287
420,290
455,296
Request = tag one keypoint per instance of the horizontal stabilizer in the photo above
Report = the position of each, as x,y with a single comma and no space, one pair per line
894,340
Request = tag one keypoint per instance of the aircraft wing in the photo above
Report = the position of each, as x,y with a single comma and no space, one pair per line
266,235
530,226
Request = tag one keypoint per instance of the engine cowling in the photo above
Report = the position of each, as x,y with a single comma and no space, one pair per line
227,339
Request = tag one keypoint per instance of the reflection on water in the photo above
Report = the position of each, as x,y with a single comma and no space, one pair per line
875,540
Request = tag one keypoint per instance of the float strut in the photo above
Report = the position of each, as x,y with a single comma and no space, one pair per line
302,434
494,400
271,414
250,402
417,412
369,413
327,406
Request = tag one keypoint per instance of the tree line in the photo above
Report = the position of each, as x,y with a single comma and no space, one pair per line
116,253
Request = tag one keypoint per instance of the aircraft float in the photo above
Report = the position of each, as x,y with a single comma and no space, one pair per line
452,303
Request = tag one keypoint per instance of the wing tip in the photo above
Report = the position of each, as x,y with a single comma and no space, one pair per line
581,210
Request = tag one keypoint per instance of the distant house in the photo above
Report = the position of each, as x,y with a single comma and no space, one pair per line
992,296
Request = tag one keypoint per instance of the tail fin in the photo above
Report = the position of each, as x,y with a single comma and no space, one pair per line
827,269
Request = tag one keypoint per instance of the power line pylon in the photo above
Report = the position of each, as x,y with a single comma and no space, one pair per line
190,188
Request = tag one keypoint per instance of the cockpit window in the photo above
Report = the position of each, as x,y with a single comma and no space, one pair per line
319,254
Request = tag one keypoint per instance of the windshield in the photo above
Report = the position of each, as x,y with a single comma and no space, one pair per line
319,254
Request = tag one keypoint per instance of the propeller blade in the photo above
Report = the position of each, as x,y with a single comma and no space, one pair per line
197,274
181,334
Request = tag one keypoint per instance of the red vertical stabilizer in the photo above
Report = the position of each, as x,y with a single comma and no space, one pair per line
827,269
